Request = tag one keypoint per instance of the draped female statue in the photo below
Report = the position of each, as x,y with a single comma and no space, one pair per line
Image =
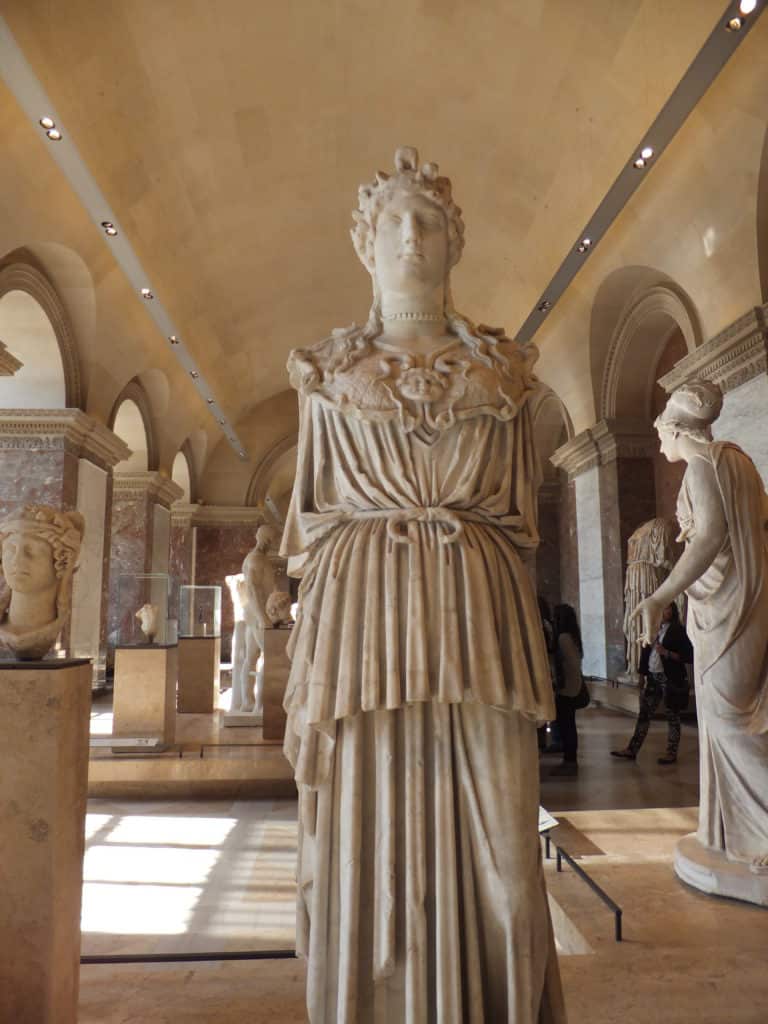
419,670
722,509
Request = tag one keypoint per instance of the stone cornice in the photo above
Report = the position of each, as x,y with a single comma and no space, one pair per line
150,484
731,358
228,515
67,429
183,514
9,364
605,442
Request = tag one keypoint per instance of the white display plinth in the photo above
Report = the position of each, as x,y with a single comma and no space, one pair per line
145,691
44,720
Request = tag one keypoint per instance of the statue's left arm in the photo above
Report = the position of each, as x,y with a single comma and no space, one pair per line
700,551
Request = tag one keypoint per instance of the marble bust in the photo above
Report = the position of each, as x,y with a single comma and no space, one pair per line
39,548
279,608
418,666
147,617
722,509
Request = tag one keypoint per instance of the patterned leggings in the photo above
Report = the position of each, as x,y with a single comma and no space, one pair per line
650,699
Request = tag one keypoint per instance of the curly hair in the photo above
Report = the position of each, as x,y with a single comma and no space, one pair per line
62,530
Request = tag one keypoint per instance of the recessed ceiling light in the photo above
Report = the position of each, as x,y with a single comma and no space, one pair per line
194,374
544,306
583,245
112,231
747,6
222,423
734,25
211,401
242,455
146,294
47,122
646,153
53,134
173,339
639,163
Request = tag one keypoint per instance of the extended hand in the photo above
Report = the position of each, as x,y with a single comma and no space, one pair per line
649,612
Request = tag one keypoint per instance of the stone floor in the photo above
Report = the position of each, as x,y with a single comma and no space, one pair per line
685,958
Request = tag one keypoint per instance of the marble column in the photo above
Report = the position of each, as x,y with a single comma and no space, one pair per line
141,532
611,466
65,458
737,359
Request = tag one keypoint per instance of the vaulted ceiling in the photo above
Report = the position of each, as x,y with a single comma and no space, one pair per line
230,136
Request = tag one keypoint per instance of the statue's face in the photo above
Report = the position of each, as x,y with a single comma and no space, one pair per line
28,563
669,442
411,244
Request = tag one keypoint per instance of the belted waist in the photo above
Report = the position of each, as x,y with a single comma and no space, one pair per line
397,518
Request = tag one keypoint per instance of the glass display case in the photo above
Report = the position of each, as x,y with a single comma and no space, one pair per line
200,611
145,602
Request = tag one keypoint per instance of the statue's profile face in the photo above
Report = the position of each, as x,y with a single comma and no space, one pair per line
411,243
28,563
668,440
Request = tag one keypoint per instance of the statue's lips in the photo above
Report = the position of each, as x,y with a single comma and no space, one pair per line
412,257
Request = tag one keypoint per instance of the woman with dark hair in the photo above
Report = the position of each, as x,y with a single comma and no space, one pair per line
662,665
568,655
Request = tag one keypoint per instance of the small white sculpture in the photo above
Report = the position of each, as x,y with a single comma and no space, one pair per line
258,584
40,546
723,511
649,559
148,616
244,649
279,608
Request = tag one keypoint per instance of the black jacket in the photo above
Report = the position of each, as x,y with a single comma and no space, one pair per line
675,640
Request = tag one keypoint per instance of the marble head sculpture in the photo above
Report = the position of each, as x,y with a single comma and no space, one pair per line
722,509
39,548
418,669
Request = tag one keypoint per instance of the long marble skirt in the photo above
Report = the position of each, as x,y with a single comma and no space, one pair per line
421,893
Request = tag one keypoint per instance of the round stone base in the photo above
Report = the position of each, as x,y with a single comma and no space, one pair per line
711,871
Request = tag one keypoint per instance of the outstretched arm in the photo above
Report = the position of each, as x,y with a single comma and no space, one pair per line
700,551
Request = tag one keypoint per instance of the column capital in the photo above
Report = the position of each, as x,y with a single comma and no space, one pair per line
69,430
732,357
606,441
148,483
9,364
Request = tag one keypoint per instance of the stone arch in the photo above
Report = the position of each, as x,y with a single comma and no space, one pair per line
762,220
21,272
183,472
131,415
635,313
273,477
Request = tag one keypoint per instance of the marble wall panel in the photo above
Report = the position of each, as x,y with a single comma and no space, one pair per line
743,421
569,547
180,562
220,551
590,551
86,626
44,476
130,549
548,552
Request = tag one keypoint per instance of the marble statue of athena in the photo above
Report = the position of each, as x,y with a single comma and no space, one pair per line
419,671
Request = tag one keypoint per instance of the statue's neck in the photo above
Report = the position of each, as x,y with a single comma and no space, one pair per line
419,312
30,611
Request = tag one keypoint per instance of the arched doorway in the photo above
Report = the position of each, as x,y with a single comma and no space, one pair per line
28,334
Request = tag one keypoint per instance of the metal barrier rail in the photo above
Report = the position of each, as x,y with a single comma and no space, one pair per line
601,893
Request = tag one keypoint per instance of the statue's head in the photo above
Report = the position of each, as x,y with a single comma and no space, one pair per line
266,537
39,547
690,412
278,607
407,224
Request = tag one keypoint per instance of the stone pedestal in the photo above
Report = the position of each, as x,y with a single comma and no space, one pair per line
145,691
277,666
44,717
199,670
712,872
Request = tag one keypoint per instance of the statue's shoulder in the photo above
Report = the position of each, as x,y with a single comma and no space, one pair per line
309,368
520,356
